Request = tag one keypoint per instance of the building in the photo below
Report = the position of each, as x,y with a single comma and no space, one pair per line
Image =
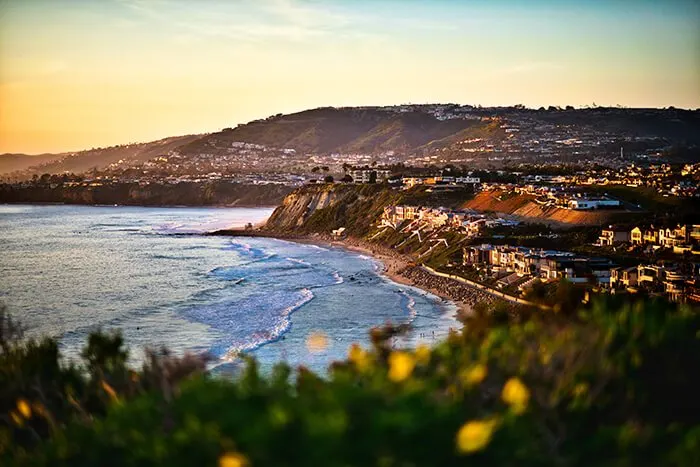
365,175
467,180
584,204
613,235
623,277
636,236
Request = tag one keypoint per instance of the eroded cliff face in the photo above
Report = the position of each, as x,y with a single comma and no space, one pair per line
322,208
299,205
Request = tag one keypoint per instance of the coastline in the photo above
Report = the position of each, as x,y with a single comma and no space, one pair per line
397,267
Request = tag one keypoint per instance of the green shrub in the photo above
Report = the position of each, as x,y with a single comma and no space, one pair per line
614,384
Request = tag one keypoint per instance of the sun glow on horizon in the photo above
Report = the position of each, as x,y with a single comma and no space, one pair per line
81,74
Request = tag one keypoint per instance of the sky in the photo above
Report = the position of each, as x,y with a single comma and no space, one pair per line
77,74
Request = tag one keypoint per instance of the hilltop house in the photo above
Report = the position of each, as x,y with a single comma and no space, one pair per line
364,175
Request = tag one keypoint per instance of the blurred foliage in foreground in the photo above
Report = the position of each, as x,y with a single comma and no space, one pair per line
616,384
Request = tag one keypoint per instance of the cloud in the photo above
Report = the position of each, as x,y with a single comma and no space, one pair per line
243,20
256,20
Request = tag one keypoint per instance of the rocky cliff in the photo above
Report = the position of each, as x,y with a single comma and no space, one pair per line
322,208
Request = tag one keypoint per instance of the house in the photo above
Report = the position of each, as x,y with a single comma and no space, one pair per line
648,274
366,175
410,182
477,254
584,204
636,236
613,235
651,235
557,267
623,277
467,180
677,236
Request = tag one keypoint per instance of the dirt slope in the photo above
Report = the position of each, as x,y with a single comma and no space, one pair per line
526,207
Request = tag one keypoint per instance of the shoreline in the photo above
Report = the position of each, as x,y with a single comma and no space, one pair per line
118,205
397,267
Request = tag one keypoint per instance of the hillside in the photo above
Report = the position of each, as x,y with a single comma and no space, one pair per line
442,133
344,130
13,162
525,206
92,158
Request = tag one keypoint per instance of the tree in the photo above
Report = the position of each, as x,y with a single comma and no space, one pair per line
328,179
373,177
325,168
346,166
346,179
315,169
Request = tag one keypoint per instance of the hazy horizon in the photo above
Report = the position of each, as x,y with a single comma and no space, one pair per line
79,74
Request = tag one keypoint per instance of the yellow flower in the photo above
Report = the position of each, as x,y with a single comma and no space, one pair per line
24,408
474,374
516,395
400,366
475,435
232,459
316,342
422,354
359,357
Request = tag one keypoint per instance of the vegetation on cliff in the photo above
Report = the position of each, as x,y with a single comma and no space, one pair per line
612,384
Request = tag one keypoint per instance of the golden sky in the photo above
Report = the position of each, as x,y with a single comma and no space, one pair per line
76,74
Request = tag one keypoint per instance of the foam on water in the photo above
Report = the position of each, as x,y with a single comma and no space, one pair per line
120,268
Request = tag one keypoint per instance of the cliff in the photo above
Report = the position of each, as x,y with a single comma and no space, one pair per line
322,208
181,194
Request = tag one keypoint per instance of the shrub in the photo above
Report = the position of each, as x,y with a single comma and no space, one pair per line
615,384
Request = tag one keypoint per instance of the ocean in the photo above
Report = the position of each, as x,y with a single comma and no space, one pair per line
68,270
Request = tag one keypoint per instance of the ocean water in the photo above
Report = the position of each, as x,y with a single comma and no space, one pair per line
68,270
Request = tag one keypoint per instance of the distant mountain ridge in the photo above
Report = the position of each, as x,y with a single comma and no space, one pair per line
341,130
408,130
92,158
